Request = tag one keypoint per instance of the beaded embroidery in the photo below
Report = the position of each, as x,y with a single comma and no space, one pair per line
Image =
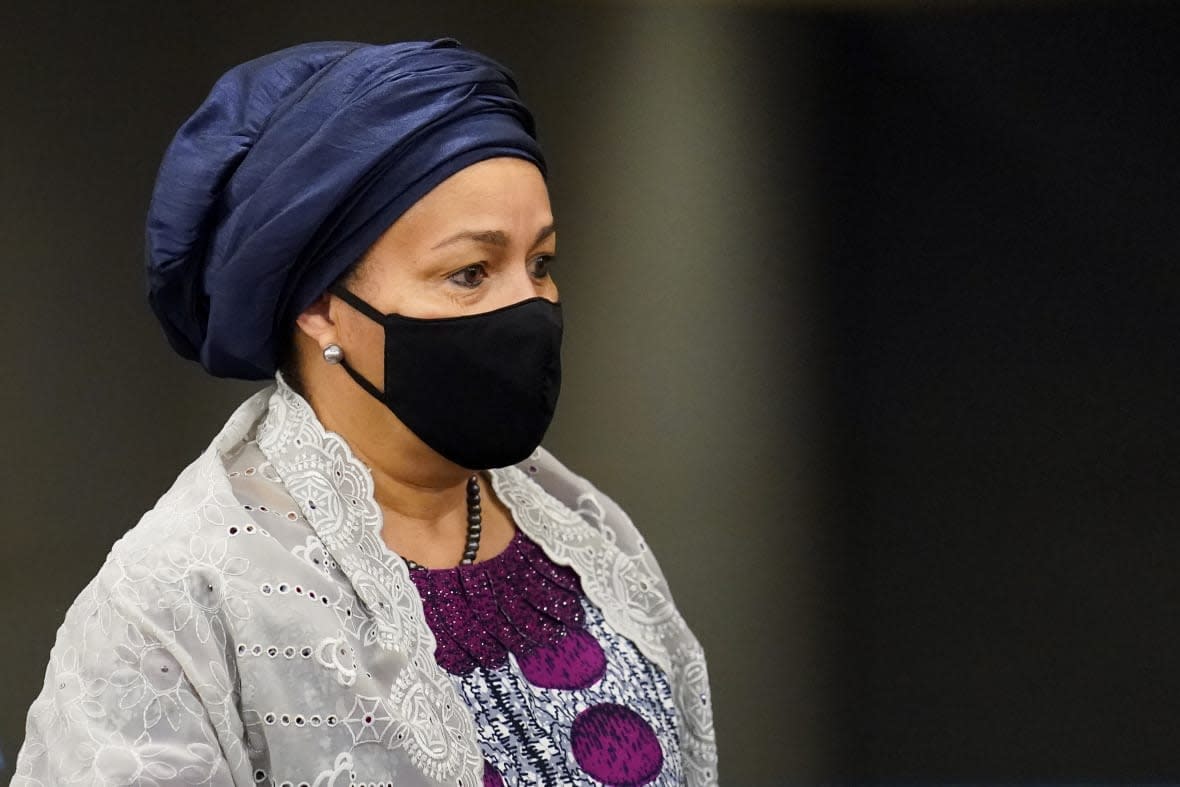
529,655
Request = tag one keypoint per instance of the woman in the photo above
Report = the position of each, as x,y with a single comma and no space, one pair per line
373,575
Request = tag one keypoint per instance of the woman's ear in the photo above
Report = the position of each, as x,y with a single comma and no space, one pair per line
316,321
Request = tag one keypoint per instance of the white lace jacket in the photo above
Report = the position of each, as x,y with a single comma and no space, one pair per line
254,628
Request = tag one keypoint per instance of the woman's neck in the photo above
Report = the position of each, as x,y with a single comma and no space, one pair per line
410,480
422,496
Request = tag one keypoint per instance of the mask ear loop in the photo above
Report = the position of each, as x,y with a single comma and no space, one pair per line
355,302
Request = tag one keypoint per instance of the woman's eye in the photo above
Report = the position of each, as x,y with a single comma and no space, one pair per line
469,277
539,267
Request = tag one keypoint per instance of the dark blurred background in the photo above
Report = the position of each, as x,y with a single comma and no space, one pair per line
872,323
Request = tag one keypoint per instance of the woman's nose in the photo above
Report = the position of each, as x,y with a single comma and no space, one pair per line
523,285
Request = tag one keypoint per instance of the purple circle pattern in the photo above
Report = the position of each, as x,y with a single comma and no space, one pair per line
576,662
615,745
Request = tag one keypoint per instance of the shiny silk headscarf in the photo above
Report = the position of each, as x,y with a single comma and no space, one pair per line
293,167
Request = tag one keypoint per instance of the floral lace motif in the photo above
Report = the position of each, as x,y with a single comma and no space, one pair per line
334,490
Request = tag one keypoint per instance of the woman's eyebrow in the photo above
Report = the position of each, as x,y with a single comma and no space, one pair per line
492,237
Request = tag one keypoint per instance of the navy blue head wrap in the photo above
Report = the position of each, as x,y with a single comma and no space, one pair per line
294,166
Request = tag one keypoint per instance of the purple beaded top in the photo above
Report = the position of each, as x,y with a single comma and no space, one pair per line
517,602
563,711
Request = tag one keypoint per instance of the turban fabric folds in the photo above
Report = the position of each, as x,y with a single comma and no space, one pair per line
294,166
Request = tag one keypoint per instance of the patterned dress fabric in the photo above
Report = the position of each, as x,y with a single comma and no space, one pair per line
557,696
254,629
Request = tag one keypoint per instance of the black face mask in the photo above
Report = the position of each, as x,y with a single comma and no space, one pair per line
479,389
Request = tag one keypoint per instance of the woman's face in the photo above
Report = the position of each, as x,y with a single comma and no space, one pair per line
483,239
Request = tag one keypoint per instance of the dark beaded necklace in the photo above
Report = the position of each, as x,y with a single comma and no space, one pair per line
474,527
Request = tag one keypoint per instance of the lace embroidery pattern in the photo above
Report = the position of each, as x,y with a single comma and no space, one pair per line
116,659
422,713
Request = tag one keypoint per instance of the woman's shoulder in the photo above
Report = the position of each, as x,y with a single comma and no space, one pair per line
224,537
218,516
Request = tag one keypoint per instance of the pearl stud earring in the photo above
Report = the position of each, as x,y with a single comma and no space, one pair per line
333,354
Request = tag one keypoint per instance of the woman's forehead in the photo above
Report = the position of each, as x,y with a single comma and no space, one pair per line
502,201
